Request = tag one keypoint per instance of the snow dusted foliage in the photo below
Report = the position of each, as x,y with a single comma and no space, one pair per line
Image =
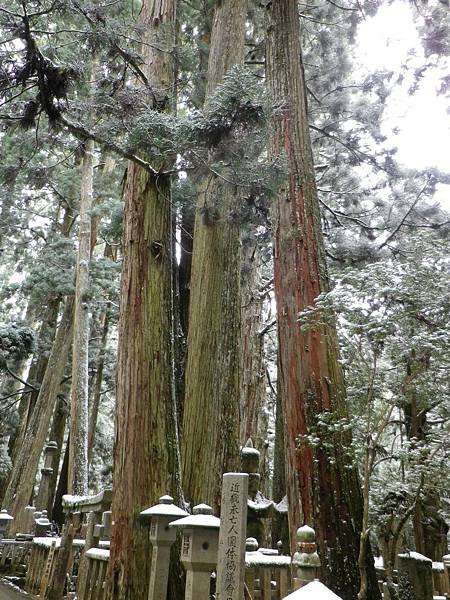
394,333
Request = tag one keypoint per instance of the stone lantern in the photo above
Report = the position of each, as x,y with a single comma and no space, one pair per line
5,520
162,537
43,527
306,561
199,550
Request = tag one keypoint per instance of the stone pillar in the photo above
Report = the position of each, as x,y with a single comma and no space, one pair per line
415,577
199,550
232,536
106,524
42,499
305,562
162,537
93,519
29,519
5,520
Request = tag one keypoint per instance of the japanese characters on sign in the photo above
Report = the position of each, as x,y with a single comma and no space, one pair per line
233,525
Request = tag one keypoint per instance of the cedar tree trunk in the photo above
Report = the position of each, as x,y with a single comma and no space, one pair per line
78,450
146,445
210,442
322,486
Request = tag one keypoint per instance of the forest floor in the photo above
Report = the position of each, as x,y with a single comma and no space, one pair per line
9,593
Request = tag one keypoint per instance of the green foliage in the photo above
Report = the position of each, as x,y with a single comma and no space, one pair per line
16,342
235,107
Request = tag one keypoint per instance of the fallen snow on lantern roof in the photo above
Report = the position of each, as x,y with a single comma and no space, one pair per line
313,591
416,556
164,508
438,566
4,516
282,506
260,504
202,517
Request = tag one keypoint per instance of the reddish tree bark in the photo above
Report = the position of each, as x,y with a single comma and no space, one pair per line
322,485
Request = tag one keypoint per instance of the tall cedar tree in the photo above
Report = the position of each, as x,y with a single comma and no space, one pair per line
78,449
323,488
145,452
211,411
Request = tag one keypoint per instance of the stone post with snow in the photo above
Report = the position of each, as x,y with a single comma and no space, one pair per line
232,536
305,562
199,550
415,577
162,537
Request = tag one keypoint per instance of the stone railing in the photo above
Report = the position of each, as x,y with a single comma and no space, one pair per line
95,578
95,517
267,575
42,560
93,524
14,555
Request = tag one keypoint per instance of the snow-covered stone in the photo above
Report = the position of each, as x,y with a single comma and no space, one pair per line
313,591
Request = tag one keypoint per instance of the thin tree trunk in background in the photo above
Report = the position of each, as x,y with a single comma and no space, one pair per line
210,442
78,450
36,372
322,485
146,463
57,512
184,268
24,472
45,339
280,528
253,379
94,402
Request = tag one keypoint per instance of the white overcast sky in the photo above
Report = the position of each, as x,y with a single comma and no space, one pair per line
390,41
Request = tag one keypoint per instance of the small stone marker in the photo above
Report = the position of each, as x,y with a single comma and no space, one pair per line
198,550
415,576
232,537
162,538
313,591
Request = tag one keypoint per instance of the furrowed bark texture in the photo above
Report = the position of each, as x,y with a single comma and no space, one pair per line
57,435
145,453
97,383
78,450
253,378
24,472
210,443
323,488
